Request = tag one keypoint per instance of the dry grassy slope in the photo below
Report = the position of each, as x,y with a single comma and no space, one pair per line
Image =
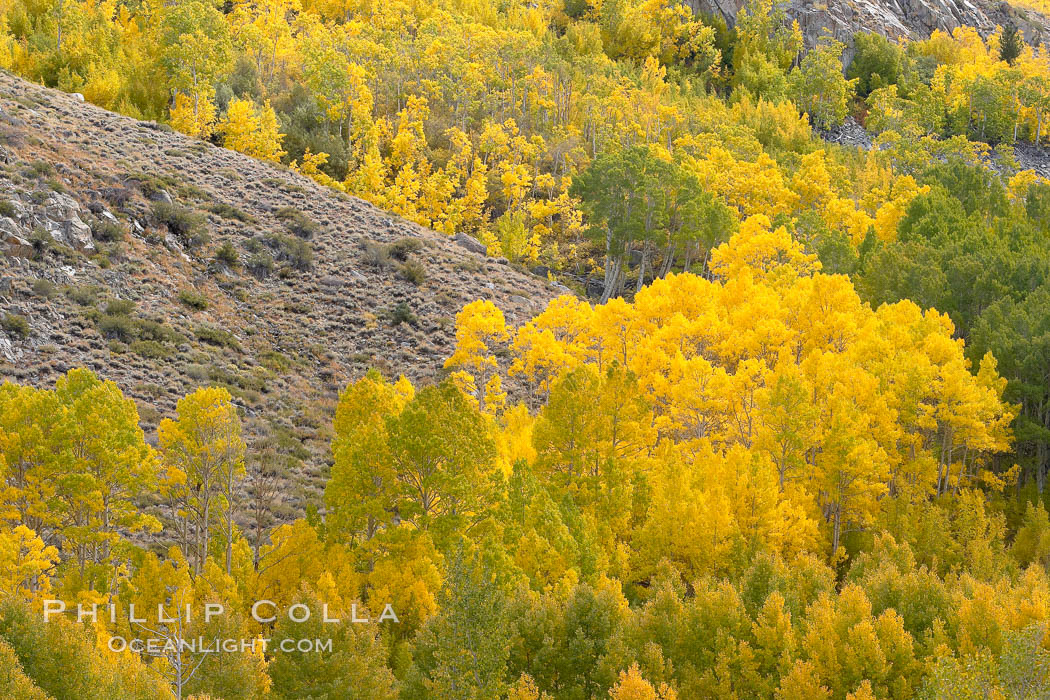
328,324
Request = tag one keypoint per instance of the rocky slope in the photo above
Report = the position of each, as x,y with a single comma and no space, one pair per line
898,19
165,263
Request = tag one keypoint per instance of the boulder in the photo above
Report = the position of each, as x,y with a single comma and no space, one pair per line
470,243
8,350
60,217
14,241
160,196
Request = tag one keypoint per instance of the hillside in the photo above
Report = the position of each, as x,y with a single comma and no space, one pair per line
86,197
790,440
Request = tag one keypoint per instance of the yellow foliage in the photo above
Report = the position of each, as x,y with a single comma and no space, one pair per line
631,686
193,115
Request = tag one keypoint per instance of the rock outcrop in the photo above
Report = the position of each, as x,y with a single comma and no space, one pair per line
26,216
912,19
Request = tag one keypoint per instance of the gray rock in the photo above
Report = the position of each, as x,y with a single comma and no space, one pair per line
14,241
61,219
470,243
850,133
911,19
160,196
8,350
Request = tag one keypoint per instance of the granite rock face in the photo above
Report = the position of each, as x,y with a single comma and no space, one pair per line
911,19
54,213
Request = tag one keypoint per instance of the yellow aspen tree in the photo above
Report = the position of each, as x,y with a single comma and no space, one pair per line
632,686
205,444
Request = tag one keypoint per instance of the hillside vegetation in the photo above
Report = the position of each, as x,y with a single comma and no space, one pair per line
788,440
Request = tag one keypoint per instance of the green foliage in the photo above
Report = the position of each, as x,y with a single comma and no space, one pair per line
877,62
187,225
14,683
261,264
293,250
818,87
216,336
401,313
632,196
16,324
1011,44
403,248
766,47
84,295
441,452
193,299
152,349
354,669
463,651
117,327
44,288
964,249
413,270
1022,672
107,231
297,222
60,658
228,255
228,211
119,307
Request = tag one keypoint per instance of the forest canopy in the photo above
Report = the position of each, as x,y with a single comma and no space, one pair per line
794,444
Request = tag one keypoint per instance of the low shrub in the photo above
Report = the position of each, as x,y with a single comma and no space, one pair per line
106,231
44,288
152,349
119,307
402,248
297,222
413,270
84,295
193,299
228,255
216,336
261,264
121,328
228,211
376,255
16,325
402,313
185,224
296,252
